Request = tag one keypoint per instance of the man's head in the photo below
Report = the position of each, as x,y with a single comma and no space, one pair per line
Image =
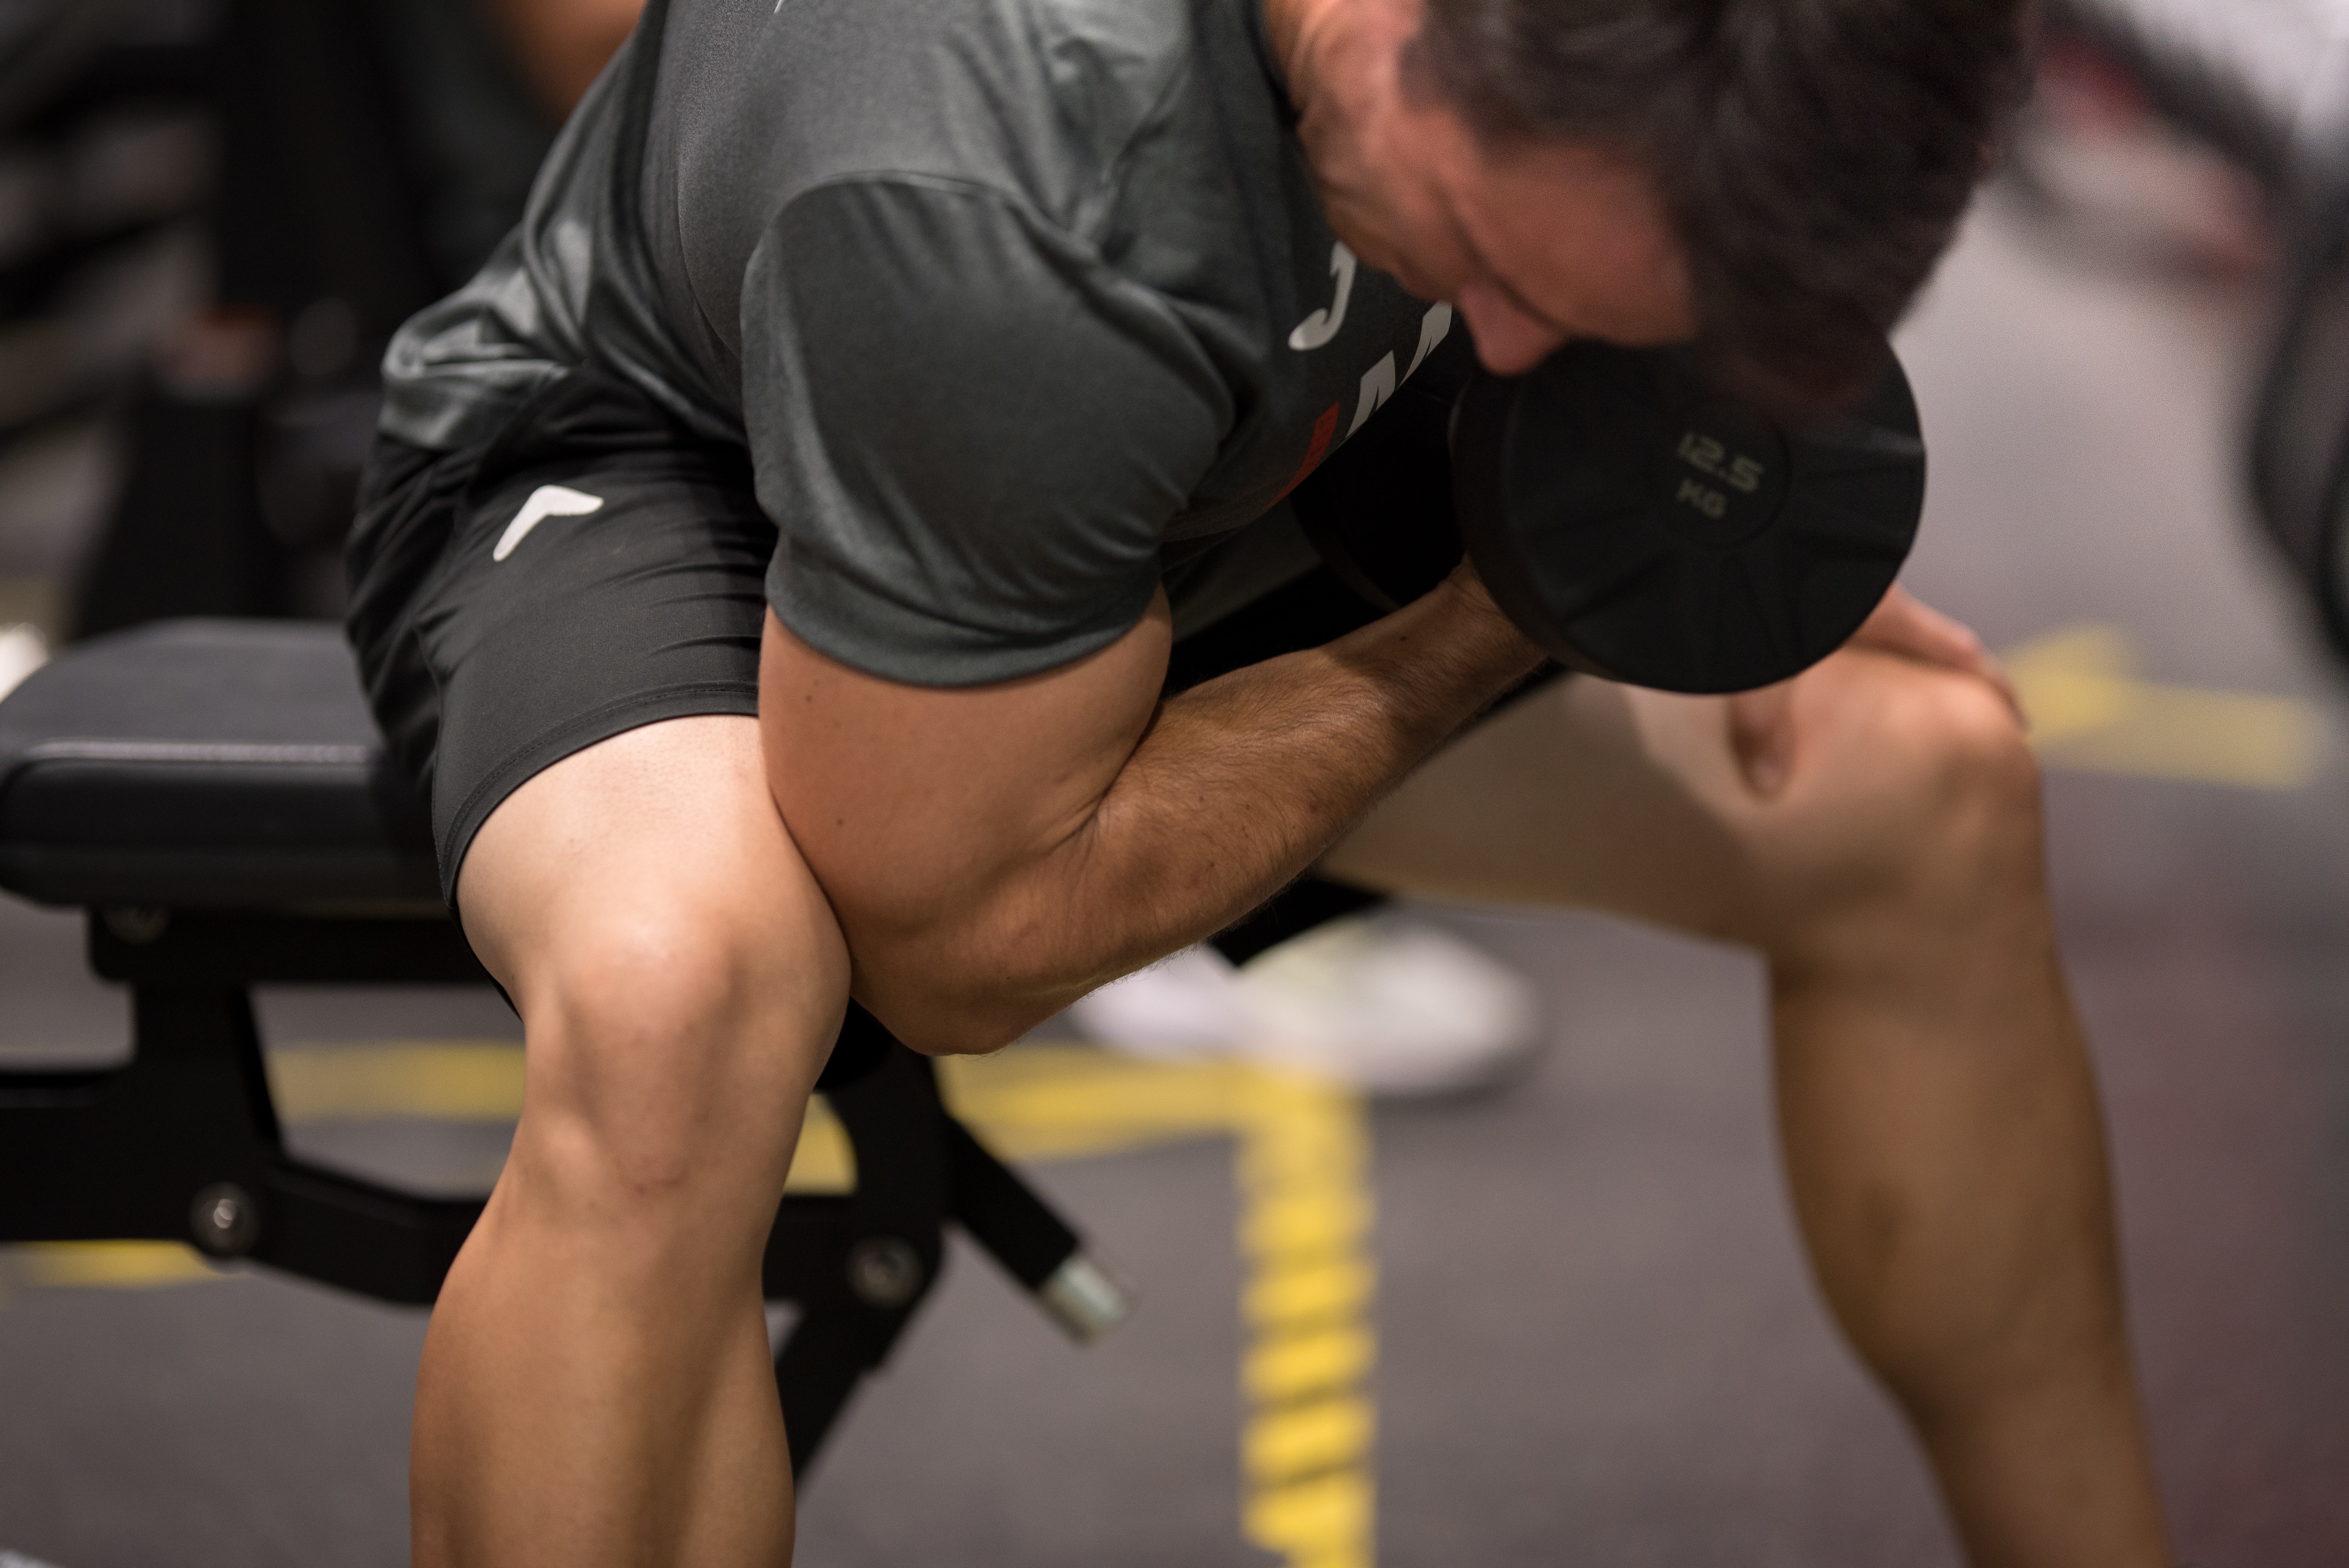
1776,177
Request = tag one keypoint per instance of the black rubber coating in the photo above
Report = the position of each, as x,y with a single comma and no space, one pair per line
1640,525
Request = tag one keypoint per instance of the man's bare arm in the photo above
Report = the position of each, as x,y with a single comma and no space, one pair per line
994,853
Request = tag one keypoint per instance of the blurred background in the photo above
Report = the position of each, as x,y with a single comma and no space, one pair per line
1595,1340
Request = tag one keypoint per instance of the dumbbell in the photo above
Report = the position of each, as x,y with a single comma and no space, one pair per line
1643,523
1634,518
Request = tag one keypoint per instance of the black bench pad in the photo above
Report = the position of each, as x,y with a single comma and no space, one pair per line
227,764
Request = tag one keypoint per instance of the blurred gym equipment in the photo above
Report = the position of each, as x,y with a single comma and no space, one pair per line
220,213
2266,82
2260,79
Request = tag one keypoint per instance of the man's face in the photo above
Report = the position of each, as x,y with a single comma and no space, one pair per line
1533,243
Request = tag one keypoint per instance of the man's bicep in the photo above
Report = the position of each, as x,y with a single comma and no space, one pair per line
916,805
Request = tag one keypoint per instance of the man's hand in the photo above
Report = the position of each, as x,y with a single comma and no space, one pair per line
1761,726
1906,625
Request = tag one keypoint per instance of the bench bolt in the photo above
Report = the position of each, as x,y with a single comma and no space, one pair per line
225,1219
884,1272
136,923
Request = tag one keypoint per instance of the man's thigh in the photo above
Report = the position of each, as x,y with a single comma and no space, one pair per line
1634,801
663,836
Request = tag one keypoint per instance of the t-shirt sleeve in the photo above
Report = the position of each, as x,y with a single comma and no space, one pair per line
970,431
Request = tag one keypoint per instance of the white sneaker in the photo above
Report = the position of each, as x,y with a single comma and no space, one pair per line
1389,1003
22,652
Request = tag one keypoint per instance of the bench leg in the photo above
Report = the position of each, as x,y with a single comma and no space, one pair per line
121,1154
182,1144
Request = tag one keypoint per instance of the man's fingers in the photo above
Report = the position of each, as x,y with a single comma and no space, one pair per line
1903,623
1762,724
1906,625
1991,670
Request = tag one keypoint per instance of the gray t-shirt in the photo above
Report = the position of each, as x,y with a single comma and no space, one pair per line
1019,306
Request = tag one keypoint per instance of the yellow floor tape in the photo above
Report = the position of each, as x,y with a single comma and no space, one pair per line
446,1080
1302,1173
1305,1234
105,1265
2090,713
1303,1177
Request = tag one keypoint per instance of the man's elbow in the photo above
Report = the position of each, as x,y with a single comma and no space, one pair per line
961,1022
969,973
943,999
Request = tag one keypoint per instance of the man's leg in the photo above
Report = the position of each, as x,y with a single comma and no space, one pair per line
1935,1100
595,1386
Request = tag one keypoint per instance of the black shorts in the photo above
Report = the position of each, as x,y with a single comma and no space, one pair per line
598,566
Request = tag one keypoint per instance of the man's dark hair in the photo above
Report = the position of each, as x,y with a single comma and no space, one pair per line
1814,155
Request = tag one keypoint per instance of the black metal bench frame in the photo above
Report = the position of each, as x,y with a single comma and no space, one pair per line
182,1144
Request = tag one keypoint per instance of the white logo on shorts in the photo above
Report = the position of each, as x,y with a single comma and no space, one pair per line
545,501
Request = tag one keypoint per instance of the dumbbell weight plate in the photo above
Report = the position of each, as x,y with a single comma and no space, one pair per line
1643,526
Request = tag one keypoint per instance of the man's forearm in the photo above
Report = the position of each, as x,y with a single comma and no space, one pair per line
1238,785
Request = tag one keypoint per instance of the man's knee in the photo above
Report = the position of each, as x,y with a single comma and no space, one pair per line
1927,796
1974,782
670,1052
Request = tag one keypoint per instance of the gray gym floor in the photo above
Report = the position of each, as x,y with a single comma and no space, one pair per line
1596,1340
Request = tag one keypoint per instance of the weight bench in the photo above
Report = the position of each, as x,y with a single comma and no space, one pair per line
214,794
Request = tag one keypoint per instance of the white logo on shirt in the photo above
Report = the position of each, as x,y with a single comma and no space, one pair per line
1379,381
1434,328
1322,325
545,501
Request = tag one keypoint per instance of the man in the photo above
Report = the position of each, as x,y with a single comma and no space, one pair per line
775,559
